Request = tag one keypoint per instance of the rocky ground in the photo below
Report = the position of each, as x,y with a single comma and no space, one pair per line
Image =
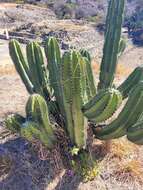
120,169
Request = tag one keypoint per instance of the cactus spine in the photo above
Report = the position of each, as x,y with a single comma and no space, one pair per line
112,41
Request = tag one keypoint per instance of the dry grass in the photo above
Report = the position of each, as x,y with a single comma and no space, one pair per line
129,171
122,148
121,69
123,166
7,70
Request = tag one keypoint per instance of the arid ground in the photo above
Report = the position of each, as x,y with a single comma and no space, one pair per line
119,169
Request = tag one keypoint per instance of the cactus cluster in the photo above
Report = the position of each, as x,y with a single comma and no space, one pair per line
36,125
68,87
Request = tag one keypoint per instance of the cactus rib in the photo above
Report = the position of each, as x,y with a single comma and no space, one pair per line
112,40
103,105
37,69
37,111
71,76
53,56
113,104
135,77
135,133
129,116
20,64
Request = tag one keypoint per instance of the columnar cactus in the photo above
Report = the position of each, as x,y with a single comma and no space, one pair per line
21,64
38,124
112,43
69,83
53,54
90,88
37,69
32,71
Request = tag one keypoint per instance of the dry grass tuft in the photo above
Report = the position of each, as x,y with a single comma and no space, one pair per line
95,66
7,70
129,171
5,166
121,69
122,148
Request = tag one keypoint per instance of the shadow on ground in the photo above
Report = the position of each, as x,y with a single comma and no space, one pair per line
28,172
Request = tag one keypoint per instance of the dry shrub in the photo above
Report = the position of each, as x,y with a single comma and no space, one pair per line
122,148
7,69
130,171
5,166
121,69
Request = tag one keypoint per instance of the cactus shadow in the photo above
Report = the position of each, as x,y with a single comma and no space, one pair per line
68,182
26,171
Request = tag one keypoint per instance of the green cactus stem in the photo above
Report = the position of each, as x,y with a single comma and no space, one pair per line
37,111
135,133
128,116
89,77
134,78
32,72
37,69
85,54
21,65
71,80
112,43
33,131
53,54
103,105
